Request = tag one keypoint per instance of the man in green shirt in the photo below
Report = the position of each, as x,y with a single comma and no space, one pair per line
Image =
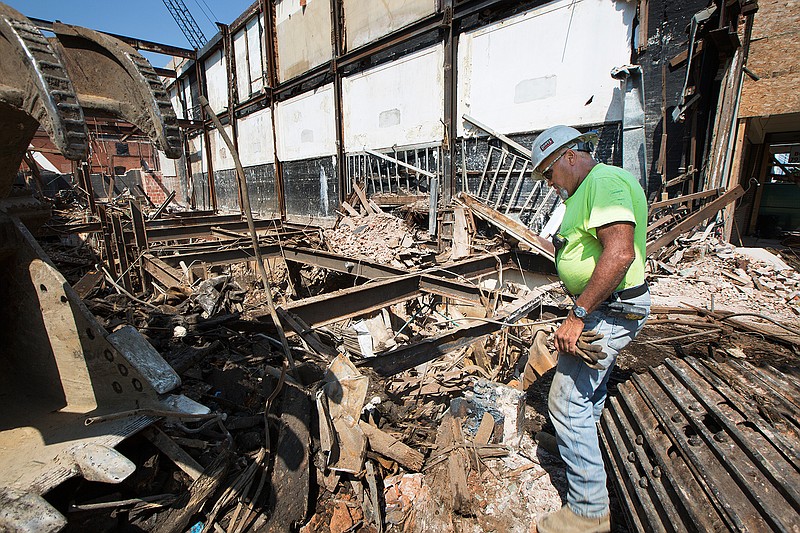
600,254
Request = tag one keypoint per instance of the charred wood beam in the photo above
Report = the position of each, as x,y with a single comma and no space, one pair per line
688,448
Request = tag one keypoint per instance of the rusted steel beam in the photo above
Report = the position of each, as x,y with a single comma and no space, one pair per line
176,233
364,299
186,221
410,356
354,301
433,347
228,256
347,265
161,271
165,72
139,44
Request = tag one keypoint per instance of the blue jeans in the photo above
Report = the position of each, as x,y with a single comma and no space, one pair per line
576,401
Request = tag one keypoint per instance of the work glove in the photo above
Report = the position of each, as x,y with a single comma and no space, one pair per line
590,353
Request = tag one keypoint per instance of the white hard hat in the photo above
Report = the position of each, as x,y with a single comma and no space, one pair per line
555,138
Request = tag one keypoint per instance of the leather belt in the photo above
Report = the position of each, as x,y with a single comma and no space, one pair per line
627,294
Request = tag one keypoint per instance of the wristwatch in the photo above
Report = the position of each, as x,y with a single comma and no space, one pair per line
579,312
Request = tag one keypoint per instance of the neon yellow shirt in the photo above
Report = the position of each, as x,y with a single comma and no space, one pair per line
607,195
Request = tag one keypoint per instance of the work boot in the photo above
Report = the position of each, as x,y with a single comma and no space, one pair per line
566,521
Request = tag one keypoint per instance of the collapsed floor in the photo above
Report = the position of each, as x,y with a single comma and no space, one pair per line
413,385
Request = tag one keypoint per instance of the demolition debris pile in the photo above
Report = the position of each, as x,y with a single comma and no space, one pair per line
378,237
736,279
344,437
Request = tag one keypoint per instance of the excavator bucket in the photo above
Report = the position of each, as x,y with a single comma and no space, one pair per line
59,369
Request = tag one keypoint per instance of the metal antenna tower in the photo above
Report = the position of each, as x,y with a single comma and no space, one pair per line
186,22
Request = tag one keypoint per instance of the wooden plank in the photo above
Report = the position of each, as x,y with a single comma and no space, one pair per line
350,210
679,179
766,155
678,60
686,198
375,207
734,176
785,338
176,519
178,455
461,237
660,222
384,444
485,430
526,152
457,468
644,21
510,226
363,198
694,219
88,282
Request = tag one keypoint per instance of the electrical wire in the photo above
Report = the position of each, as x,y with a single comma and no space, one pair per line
204,13
210,10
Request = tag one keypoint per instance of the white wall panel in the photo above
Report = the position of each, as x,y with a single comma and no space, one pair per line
398,103
167,165
548,66
306,125
247,48
255,138
197,156
242,67
175,101
220,155
304,36
255,45
217,82
367,21
186,89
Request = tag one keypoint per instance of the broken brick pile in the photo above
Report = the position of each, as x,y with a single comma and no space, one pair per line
381,238
732,278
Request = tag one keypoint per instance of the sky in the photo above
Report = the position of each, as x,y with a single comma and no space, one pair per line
145,19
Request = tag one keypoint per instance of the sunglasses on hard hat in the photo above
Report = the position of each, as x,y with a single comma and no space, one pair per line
547,173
